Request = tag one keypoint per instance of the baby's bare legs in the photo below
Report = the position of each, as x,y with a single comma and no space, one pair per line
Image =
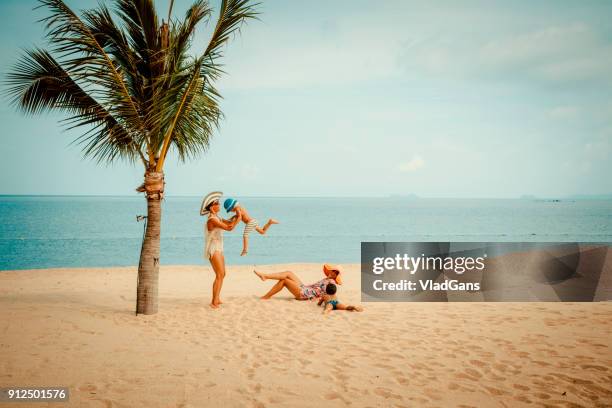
265,228
328,308
350,308
245,245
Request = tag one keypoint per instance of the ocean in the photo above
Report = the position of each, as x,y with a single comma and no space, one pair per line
90,231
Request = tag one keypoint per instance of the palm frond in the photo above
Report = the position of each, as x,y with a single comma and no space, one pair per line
182,32
142,24
231,16
187,87
38,83
131,82
195,113
80,48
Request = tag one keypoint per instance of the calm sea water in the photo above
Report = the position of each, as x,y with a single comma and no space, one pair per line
44,231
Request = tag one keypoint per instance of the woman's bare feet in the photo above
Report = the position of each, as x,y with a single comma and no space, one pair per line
261,276
243,253
272,221
265,298
214,306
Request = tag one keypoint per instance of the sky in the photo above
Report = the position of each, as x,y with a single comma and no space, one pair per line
483,99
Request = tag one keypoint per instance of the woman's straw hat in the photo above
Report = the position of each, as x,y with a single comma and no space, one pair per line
328,268
211,197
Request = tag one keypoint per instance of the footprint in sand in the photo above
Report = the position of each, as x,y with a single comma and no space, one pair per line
256,388
433,394
522,398
331,396
275,400
593,367
473,373
90,388
495,391
340,376
250,372
386,393
478,363
402,380
541,395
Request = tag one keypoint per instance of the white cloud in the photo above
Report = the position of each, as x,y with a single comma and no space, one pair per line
412,165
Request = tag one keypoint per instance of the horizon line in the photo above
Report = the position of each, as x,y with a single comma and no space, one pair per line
397,196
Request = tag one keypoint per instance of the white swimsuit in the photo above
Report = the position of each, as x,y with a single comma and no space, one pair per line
214,240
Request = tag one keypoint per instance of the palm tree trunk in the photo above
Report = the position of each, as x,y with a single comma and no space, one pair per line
148,267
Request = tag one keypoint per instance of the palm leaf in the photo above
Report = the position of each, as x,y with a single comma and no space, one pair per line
231,16
133,83
38,83
80,48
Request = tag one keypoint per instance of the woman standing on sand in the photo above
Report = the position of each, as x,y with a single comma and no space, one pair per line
213,249
294,285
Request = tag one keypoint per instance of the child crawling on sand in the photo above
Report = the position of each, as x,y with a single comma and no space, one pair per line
231,205
331,301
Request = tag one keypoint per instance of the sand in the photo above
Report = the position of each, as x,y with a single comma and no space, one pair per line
77,328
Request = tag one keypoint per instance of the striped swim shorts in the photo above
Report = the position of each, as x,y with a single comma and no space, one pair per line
251,225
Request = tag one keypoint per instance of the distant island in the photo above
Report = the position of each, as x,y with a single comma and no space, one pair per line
591,196
569,197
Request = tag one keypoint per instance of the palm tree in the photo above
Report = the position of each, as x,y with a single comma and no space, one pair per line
134,89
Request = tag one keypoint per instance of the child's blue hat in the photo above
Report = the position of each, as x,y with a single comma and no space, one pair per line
229,204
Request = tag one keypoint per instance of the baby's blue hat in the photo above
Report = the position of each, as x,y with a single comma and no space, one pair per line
229,204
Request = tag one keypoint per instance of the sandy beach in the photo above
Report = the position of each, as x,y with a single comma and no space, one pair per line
77,328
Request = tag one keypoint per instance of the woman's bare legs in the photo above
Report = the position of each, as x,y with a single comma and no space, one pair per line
279,276
285,279
291,286
278,286
218,263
